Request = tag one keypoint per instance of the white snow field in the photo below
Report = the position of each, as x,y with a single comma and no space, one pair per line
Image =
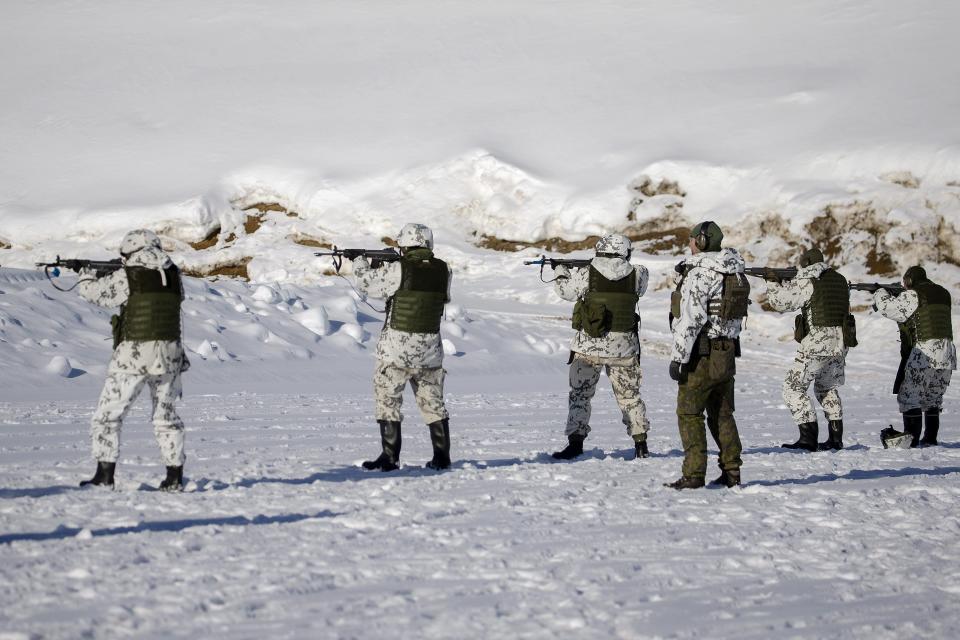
248,134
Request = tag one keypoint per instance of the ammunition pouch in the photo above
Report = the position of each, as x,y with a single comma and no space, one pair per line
116,329
593,318
800,327
734,300
850,331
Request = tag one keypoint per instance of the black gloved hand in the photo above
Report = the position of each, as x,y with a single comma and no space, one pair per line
72,265
680,267
676,370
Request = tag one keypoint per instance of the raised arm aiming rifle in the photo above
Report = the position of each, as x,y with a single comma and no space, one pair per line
376,256
557,262
872,287
100,267
772,275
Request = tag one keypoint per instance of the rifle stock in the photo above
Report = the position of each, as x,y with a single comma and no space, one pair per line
772,274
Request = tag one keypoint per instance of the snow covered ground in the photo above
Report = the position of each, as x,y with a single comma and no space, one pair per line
280,533
495,123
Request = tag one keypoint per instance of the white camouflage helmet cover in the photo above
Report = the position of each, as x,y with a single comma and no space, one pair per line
137,240
415,235
614,244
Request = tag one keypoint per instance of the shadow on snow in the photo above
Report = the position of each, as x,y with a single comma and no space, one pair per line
858,474
173,526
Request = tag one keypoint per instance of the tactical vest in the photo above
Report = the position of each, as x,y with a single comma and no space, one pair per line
932,320
417,306
732,304
152,311
609,305
830,302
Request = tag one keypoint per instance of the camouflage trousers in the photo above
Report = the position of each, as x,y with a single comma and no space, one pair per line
120,391
708,387
923,388
625,378
826,374
427,384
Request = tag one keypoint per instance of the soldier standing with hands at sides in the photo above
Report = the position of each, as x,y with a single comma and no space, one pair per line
707,310
409,349
923,312
605,316
147,352
823,298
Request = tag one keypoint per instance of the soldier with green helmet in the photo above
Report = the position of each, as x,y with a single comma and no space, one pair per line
606,294
707,311
147,353
409,349
822,296
924,315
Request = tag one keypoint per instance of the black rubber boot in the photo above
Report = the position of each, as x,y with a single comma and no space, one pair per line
807,440
440,438
640,449
573,449
931,428
390,441
102,476
685,482
727,478
834,439
174,479
913,424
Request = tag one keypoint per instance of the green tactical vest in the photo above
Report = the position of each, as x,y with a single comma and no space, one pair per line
830,303
152,311
932,320
609,305
417,306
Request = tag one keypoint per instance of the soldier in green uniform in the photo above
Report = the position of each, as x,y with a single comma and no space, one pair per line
707,310
409,349
923,312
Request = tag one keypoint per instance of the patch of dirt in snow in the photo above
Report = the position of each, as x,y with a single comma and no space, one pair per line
852,232
232,268
903,178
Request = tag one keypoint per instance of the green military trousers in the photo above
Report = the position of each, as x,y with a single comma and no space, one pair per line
708,386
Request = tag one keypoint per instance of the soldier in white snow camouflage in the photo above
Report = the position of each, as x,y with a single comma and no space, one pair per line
823,299
929,356
707,311
409,349
607,338
148,353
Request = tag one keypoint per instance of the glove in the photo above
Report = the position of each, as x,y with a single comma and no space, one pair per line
73,265
680,267
676,370
770,275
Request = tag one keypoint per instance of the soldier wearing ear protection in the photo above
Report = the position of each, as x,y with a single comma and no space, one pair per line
924,314
416,288
706,315
147,353
606,294
823,330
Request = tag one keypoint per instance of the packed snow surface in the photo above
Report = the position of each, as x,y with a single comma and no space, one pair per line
494,123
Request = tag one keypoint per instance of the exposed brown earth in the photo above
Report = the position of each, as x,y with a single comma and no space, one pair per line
264,207
231,269
309,241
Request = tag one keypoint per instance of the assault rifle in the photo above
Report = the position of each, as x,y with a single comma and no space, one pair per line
872,287
100,267
770,274
557,262
376,256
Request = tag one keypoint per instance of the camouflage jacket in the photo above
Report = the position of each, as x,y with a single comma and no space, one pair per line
573,285
933,354
399,348
703,282
821,342
150,357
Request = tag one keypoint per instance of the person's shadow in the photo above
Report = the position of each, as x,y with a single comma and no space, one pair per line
857,474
